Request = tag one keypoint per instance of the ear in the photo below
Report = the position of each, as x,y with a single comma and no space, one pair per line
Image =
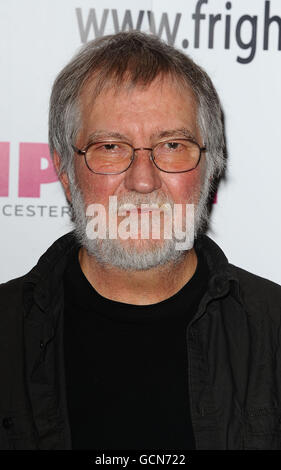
63,176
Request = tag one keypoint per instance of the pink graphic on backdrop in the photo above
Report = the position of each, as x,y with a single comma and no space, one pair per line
4,168
31,173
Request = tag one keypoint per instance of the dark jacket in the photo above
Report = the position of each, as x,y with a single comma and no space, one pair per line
233,344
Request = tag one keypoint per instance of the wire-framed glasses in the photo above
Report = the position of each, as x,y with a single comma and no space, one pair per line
113,157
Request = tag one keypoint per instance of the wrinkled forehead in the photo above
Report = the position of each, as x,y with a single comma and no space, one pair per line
95,88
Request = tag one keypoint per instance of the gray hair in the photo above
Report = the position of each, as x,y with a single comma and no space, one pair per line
133,58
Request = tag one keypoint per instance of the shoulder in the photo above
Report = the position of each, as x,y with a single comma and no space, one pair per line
49,264
11,289
258,294
11,300
257,285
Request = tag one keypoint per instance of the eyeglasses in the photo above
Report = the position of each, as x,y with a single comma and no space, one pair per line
113,158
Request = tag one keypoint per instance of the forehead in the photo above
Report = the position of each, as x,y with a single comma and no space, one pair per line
164,103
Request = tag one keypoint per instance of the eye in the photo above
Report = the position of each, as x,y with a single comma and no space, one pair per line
109,149
110,146
172,145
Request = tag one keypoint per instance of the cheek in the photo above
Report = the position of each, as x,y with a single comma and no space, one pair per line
95,188
185,187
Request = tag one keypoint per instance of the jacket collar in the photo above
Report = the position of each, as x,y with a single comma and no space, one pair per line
41,283
44,278
222,274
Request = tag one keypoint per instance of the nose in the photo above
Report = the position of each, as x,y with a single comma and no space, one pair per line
142,176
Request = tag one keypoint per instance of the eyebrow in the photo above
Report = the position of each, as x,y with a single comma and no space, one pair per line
104,135
183,132
159,134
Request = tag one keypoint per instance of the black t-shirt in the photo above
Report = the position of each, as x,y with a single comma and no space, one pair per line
127,366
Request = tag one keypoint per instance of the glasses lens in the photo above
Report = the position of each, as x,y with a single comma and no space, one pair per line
177,155
108,157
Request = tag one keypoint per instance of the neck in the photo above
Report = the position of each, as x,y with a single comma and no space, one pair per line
138,287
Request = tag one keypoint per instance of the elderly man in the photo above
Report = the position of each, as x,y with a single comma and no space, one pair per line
122,339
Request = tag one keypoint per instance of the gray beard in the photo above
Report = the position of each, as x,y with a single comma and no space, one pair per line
114,252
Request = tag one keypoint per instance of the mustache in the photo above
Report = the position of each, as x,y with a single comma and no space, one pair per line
137,199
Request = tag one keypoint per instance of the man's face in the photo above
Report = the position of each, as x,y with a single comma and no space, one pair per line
140,116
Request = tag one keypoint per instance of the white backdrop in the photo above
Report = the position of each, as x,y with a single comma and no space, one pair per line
238,45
